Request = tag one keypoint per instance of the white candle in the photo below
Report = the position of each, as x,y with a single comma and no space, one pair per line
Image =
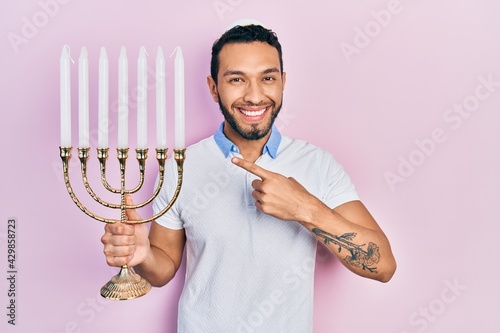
65,97
161,101
142,100
83,99
123,99
179,100
103,99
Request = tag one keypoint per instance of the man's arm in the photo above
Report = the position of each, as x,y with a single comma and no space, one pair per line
156,258
349,231
354,236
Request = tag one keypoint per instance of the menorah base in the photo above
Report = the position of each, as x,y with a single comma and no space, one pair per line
125,285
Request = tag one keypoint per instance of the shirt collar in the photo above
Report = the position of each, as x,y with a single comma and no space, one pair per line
226,146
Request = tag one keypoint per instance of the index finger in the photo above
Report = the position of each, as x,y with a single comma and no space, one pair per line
252,168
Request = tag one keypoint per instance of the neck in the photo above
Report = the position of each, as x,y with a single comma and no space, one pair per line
249,149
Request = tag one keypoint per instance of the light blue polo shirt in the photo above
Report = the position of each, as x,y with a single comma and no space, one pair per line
247,271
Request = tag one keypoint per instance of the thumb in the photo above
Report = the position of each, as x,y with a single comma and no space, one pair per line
132,214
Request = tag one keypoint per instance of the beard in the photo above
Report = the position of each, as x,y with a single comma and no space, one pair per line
254,133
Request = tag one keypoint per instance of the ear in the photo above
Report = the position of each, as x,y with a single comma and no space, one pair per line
212,88
283,79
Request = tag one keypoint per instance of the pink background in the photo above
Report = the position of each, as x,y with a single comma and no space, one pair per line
372,108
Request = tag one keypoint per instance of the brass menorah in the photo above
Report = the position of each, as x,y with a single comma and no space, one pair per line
126,284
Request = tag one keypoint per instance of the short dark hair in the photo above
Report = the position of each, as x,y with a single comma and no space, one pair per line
243,34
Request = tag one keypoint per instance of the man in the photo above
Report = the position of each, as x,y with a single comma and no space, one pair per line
252,208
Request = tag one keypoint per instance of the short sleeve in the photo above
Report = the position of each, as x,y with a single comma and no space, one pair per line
339,189
171,219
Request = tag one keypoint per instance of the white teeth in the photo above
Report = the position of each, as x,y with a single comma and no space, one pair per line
253,113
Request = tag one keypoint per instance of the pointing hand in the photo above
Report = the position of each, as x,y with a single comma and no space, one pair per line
277,195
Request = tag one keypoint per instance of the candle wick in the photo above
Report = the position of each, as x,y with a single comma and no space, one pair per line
143,50
69,52
174,51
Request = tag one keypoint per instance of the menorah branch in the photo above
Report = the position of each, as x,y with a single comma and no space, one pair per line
83,155
65,153
179,156
122,155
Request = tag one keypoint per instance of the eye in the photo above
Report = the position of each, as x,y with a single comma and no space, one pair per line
236,80
269,78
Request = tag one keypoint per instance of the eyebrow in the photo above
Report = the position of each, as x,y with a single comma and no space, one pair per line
233,72
236,72
271,70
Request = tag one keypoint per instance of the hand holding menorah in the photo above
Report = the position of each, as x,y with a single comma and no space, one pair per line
126,284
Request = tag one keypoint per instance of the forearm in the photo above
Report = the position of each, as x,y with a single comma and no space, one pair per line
349,231
361,246
158,268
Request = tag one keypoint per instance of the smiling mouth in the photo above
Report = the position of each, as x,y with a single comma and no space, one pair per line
253,112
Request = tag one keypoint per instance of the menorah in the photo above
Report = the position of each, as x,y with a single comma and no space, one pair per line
126,284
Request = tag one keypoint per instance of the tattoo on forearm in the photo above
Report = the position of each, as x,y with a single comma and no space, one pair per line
358,257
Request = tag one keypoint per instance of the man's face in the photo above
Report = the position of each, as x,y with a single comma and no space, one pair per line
250,88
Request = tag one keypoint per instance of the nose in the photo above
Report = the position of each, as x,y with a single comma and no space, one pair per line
253,94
